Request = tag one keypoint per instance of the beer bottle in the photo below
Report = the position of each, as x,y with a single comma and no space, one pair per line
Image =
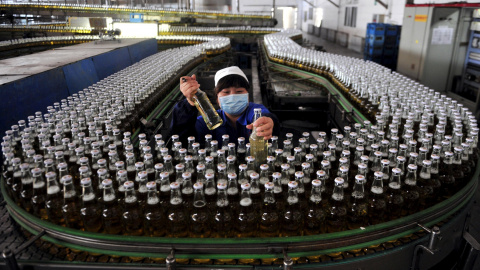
246,221
206,109
377,203
177,216
232,192
222,172
302,198
54,201
411,194
447,176
292,218
357,208
132,217
241,150
112,213
315,215
90,211
200,216
425,186
258,145
255,191
337,212
460,170
209,165
200,174
154,219
269,218
279,160
142,191
39,194
231,164
71,205
187,190
395,200
26,191
307,178
210,191
17,183
242,174
264,169
285,175
278,191
223,218
164,189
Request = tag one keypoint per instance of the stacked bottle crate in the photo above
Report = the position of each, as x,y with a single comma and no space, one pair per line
381,44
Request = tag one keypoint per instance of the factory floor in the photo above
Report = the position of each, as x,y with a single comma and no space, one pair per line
331,47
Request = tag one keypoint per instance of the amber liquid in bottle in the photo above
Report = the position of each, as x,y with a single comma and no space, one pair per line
206,109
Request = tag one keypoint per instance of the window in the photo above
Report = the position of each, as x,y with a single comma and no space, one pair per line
350,16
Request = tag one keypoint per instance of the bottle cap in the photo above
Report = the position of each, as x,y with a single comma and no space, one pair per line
393,150
292,184
83,182
269,185
309,157
412,166
270,158
164,175
299,174
179,166
209,176
102,171
174,185
305,165
139,165
346,153
276,175
122,173
343,169
221,166
83,169
278,151
385,162
245,186
214,142
50,174
327,153
241,139
119,164
313,146
243,166
196,145
427,162
297,149
151,185
321,173
61,165
182,151
221,185
200,167
290,158
148,156
413,154
316,183
362,165
177,144
250,159
254,175
264,167
158,166
423,149
102,161
107,182
198,185
187,158
377,153
396,170
435,156
359,178
128,184
339,181
285,166
332,147
187,175
232,175
378,174
209,159
142,174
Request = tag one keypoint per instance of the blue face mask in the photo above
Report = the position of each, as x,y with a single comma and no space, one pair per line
234,104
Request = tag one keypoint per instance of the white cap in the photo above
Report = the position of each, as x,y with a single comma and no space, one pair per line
233,70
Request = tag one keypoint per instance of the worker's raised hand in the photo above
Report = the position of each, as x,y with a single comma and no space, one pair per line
264,127
189,86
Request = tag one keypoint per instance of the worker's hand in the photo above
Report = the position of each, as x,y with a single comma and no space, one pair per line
189,87
264,127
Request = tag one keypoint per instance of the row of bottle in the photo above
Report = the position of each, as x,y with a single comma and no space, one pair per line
399,194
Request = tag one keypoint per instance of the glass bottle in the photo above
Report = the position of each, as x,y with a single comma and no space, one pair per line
177,216
112,212
154,218
246,219
90,211
54,200
258,146
337,211
395,200
132,217
210,191
377,203
357,207
233,193
206,109
223,218
241,150
411,194
264,169
315,214
447,176
269,219
39,194
292,218
200,216
71,205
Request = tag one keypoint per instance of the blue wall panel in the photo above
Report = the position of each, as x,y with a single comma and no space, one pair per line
111,62
24,97
80,75
142,50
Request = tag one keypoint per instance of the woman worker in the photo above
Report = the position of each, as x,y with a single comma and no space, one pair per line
231,90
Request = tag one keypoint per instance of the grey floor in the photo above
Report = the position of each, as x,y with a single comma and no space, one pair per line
331,47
